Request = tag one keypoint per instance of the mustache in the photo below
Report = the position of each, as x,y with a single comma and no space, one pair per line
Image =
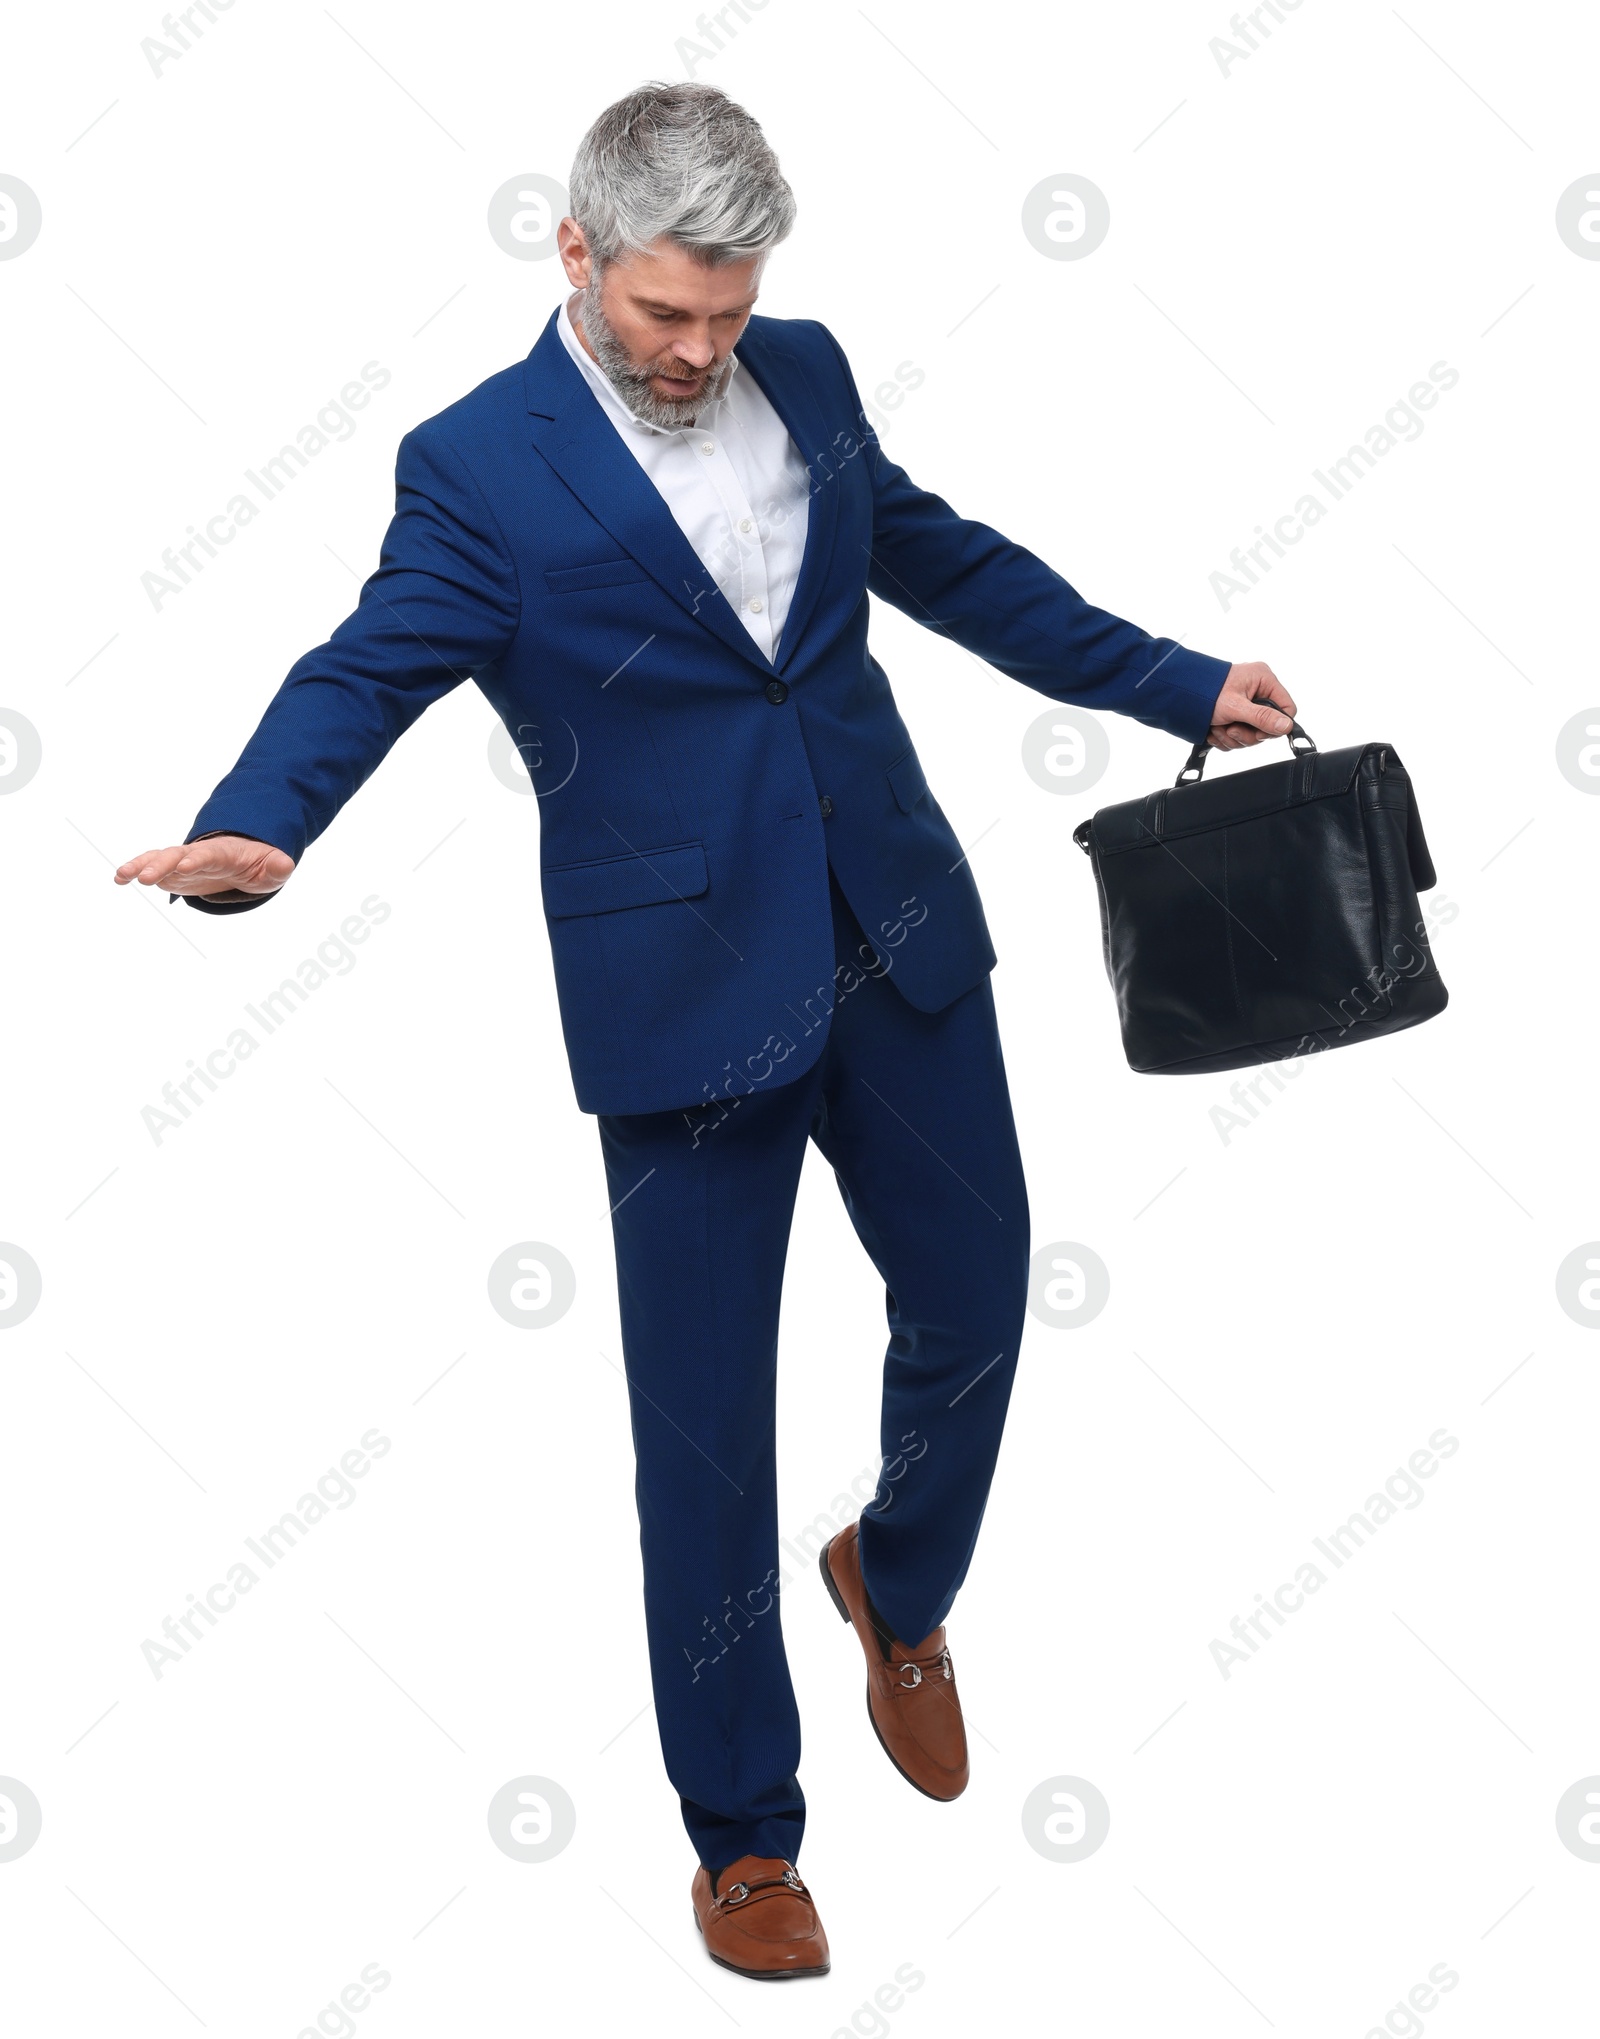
670,369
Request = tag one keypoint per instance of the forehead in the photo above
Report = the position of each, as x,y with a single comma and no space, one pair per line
665,274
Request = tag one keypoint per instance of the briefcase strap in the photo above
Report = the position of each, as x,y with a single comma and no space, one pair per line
1299,743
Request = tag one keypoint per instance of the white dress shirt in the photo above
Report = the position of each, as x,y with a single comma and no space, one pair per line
735,483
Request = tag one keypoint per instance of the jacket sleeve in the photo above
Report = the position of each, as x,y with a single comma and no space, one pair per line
444,602
1004,604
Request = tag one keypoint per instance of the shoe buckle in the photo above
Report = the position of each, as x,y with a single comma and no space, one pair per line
736,1893
792,1878
940,1667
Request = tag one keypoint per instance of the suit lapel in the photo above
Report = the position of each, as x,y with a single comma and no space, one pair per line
580,443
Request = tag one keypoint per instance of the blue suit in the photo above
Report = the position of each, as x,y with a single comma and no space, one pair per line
684,857
765,936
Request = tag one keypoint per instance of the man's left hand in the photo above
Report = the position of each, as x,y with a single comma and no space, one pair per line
1254,705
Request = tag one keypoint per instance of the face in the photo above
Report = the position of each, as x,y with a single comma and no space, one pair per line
660,324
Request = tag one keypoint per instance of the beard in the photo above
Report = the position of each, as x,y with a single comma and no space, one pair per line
632,383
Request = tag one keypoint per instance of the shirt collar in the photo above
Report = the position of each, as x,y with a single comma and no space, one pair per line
611,398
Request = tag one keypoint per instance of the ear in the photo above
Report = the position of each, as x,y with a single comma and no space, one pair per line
574,250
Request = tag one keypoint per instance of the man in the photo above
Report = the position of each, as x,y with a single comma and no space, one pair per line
651,545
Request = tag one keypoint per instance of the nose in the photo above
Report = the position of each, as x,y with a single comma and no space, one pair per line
696,353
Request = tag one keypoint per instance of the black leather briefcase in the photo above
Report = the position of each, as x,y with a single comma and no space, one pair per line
1270,913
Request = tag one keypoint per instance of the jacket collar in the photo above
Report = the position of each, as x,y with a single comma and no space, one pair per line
575,436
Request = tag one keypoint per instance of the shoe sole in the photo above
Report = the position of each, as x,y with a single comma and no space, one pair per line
760,1974
844,1615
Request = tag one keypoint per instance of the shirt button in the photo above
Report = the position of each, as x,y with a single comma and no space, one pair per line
825,806
755,605
777,693
745,524
706,446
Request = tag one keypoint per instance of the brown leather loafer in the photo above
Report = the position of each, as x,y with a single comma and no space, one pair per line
757,1919
911,1691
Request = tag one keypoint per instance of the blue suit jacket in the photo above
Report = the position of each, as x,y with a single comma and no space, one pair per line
684,849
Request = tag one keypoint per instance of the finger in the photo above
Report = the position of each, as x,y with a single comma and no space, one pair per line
1263,715
275,868
182,869
209,877
148,867
192,870
1266,686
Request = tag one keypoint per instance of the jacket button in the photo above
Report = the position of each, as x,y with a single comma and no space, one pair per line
777,693
825,806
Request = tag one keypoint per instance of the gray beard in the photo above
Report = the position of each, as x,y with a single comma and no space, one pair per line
670,413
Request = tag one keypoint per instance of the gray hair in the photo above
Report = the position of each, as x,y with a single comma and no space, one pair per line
685,162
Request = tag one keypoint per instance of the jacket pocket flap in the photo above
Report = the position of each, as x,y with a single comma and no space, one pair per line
642,878
907,781
604,573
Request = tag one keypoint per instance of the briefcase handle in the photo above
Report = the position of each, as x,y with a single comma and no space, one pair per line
1299,743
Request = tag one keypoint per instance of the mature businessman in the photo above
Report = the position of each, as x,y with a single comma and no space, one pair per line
651,545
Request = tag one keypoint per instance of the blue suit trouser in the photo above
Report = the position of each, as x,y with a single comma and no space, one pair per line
911,1110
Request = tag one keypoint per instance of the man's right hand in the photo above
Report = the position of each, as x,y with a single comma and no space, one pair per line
216,863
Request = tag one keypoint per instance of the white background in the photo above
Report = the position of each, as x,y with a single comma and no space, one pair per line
1292,1311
